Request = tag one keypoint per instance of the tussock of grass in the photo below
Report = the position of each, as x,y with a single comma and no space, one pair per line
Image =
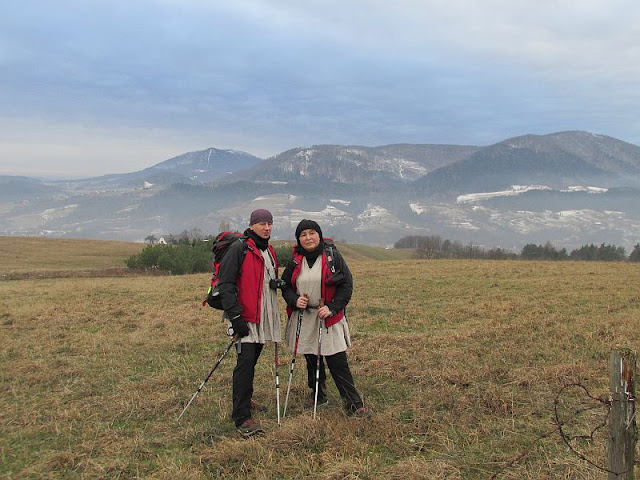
459,362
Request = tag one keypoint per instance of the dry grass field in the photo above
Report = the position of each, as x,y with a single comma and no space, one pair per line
42,256
460,363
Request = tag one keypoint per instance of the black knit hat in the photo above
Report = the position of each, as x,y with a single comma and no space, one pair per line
306,225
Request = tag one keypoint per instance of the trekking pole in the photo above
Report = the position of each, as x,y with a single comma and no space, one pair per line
224,354
293,360
277,363
315,399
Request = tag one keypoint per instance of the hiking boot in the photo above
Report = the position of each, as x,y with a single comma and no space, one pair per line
249,428
257,406
323,399
361,412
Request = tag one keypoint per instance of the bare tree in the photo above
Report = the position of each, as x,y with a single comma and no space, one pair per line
224,226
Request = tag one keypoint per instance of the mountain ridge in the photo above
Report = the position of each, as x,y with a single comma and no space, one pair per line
355,163
555,159
369,195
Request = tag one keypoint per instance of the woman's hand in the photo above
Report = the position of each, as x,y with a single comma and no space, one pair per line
302,302
324,312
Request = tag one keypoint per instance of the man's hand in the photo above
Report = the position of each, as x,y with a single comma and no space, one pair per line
240,327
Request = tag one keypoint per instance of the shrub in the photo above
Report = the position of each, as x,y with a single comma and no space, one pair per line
283,252
176,259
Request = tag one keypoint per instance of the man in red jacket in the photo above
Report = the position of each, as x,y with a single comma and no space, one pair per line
250,305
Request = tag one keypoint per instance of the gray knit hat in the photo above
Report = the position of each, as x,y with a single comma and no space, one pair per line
260,215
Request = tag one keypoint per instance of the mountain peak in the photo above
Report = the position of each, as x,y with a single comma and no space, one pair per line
355,164
557,160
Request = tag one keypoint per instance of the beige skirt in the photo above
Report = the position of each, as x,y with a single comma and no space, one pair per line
335,339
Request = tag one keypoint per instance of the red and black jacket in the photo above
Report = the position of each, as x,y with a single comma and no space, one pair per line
336,287
241,280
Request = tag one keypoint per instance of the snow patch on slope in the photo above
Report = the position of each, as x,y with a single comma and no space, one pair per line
520,189
514,190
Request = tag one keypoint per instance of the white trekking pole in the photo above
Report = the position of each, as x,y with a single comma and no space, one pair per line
319,359
293,361
236,340
277,365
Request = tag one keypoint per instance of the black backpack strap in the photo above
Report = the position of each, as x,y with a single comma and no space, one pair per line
273,262
245,246
329,249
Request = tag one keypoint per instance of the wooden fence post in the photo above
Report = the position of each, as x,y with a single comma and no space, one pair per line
622,421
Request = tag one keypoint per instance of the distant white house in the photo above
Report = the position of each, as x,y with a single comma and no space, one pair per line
162,241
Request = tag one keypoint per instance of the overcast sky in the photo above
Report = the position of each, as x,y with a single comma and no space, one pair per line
95,87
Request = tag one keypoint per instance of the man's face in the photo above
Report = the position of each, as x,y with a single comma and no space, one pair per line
262,229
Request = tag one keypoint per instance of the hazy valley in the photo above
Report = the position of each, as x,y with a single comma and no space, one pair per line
569,188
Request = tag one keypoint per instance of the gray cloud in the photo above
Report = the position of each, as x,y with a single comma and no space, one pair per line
138,82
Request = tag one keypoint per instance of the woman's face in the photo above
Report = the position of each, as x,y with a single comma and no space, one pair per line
309,239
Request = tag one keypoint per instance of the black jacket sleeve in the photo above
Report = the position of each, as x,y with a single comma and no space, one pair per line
230,268
344,287
288,292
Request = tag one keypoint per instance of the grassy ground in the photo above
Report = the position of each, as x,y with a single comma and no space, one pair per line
37,255
365,252
355,252
460,363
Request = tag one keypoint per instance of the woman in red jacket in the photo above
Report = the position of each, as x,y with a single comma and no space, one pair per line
318,272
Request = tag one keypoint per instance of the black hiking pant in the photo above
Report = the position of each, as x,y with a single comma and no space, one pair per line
243,381
339,368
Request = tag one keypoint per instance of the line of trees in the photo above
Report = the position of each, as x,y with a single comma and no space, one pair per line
435,247
190,252
186,237
591,252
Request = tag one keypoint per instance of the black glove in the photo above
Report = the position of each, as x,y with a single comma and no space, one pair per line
239,326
